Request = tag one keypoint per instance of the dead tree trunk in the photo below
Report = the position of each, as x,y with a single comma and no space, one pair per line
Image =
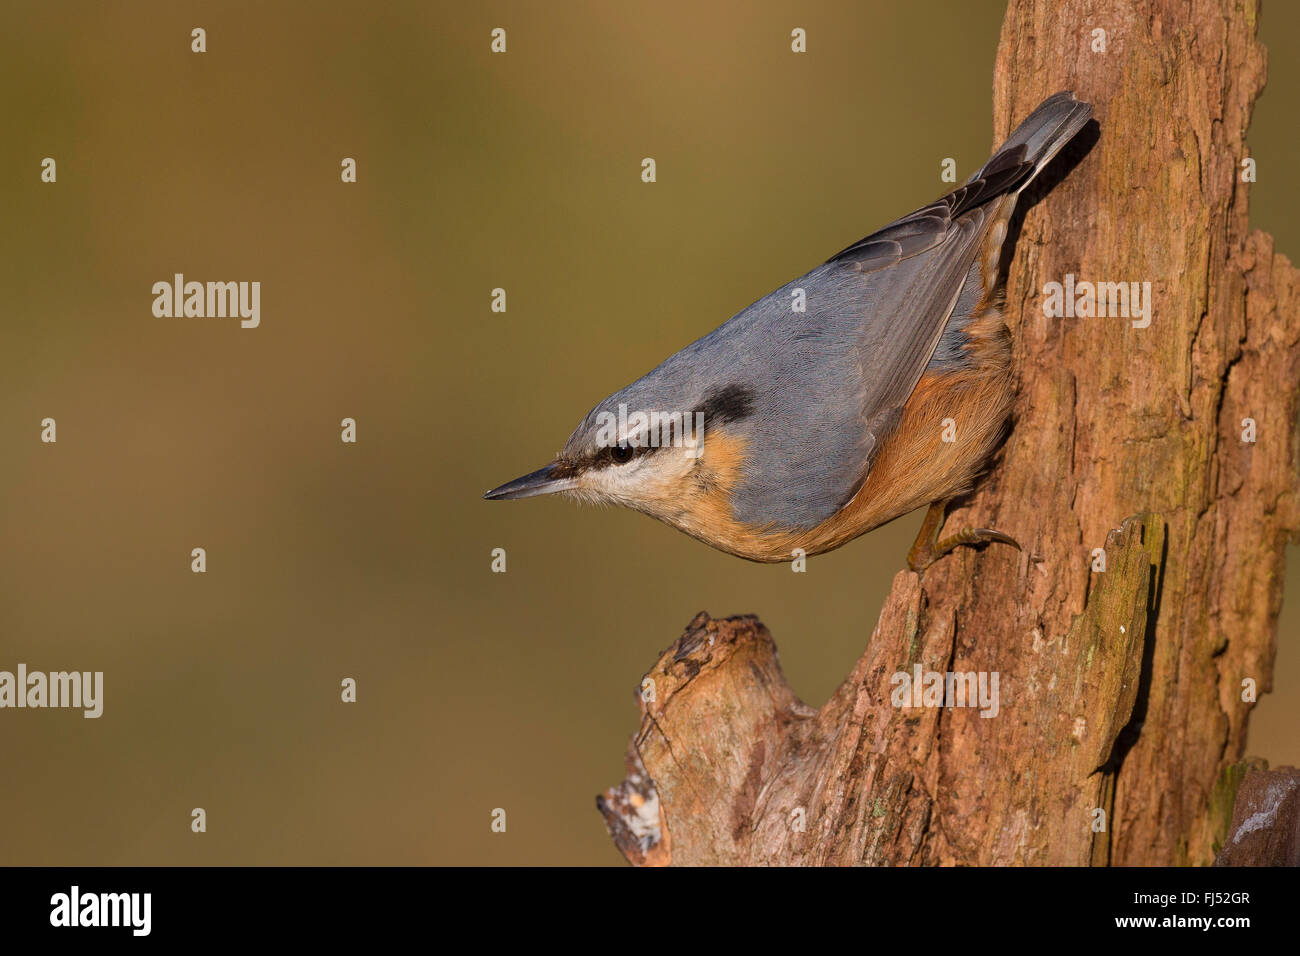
1121,722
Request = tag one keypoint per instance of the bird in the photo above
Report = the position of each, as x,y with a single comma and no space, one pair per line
877,383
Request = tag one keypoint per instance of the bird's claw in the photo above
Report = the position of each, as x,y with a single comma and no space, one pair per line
925,553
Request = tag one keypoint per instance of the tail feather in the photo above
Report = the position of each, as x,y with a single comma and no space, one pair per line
1039,137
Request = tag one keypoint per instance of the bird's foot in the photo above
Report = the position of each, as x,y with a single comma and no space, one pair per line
929,547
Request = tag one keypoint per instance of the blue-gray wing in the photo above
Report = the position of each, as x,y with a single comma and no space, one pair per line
920,267
914,281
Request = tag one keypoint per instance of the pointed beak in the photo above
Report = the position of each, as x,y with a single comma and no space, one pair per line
540,482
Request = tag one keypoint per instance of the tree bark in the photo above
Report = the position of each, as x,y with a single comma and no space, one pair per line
1266,822
1124,693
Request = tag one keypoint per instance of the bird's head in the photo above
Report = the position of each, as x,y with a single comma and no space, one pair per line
651,448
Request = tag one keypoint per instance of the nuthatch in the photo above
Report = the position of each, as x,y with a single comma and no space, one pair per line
804,429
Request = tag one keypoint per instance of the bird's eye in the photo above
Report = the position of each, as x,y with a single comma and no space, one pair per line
620,454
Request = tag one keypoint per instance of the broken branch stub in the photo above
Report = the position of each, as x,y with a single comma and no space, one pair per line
730,767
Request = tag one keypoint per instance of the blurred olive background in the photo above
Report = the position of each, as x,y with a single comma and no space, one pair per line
325,560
